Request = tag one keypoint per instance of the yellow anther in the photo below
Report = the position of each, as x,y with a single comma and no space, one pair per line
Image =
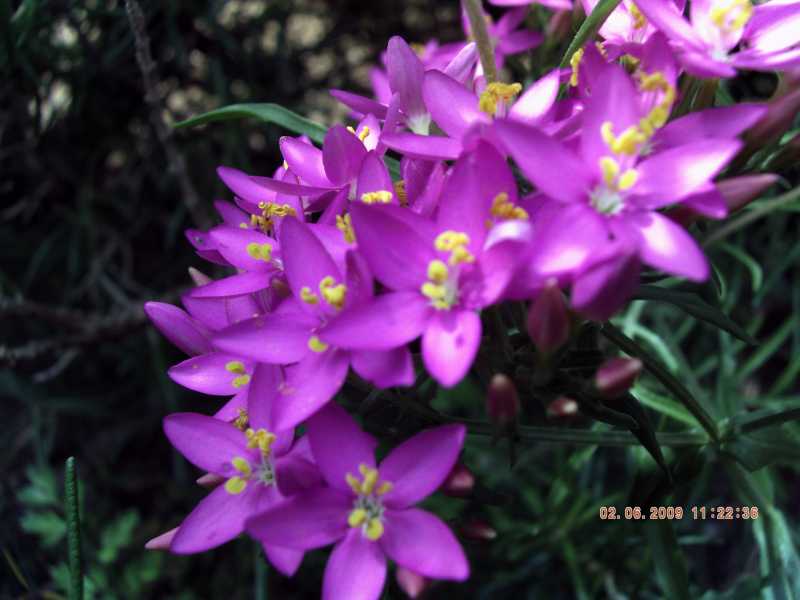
244,225
378,197
433,291
345,225
370,479
333,293
384,488
626,142
503,208
627,180
639,21
361,135
495,93
400,192
261,439
448,240
374,530
601,48
316,345
575,63
242,465
460,255
629,61
723,9
610,169
240,381
437,271
354,483
357,517
258,251
235,485
307,296
242,420
235,366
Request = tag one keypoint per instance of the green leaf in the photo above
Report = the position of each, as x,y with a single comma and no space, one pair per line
644,431
266,112
22,21
42,489
667,379
761,448
694,305
48,526
589,27
756,272
663,405
767,349
73,531
765,417
117,535
669,561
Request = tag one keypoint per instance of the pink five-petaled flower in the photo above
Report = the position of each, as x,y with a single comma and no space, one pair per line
259,470
369,511
441,272
291,334
766,34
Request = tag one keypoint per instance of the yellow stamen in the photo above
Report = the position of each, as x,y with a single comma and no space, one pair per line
437,271
333,293
261,439
242,465
504,209
357,517
345,225
610,169
400,192
258,251
575,63
495,93
639,21
370,479
317,345
353,482
235,366
722,10
242,420
449,239
307,296
384,488
374,530
378,197
235,485
240,381
361,135
628,179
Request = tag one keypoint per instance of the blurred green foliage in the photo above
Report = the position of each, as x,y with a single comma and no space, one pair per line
92,221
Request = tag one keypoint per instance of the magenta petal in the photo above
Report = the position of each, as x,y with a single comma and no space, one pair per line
546,161
405,76
701,65
388,321
538,99
453,107
602,289
450,343
418,466
665,16
708,201
305,261
230,410
305,161
396,251
360,104
342,153
429,147
722,122
462,65
219,517
269,338
339,445
667,246
208,374
206,442
295,474
374,177
235,245
309,386
356,569
179,328
677,172
262,394
420,541
384,368
235,285
305,521
259,189
285,560
788,59
519,41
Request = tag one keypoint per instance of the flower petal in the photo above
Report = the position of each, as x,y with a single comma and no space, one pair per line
420,541
237,247
259,189
206,442
665,16
342,153
538,99
374,177
208,374
384,368
285,560
405,76
272,338
428,147
721,122
186,333
305,161
339,445
453,107
235,285
360,104
418,466
356,570
667,246
449,345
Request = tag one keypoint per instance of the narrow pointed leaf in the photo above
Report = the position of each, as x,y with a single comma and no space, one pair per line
589,27
73,532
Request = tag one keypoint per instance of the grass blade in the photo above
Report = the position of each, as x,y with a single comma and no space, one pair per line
589,27
73,532
669,561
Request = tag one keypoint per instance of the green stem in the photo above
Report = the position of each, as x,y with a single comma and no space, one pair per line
73,532
477,24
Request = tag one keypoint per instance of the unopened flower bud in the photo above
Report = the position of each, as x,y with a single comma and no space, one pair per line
779,117
198,277
413,584
161,542
502,402
548,319
616,376
478,530
459,482
739,191
209,480
562,407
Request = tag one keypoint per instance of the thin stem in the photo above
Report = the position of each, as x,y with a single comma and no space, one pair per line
73,532
477,24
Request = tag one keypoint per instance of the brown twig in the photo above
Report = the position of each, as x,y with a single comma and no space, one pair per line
149,74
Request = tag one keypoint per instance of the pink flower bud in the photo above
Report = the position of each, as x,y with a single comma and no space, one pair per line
780,115
502,402
459,482
478,530
198,277
562,407
209,480
616,376
548,319
739,191
413,584
161,542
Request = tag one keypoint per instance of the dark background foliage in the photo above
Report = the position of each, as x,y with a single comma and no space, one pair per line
96,192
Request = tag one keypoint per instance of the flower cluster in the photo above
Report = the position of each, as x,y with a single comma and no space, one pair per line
345,257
